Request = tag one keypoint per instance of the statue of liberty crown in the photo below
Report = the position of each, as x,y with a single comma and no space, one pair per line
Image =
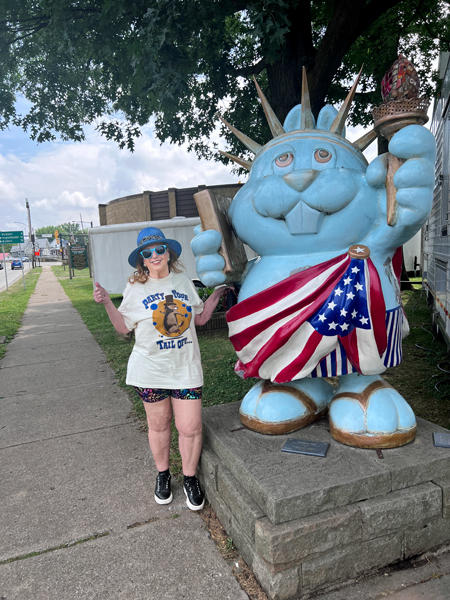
307,122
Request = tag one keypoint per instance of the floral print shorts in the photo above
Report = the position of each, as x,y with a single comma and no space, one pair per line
156,395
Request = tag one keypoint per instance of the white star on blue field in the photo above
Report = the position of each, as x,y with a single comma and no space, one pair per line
346,307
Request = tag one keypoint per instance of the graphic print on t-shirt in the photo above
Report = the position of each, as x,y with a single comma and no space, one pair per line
171,317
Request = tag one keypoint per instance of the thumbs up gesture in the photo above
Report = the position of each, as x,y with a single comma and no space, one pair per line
101,295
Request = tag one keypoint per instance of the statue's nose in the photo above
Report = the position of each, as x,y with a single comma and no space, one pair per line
300,180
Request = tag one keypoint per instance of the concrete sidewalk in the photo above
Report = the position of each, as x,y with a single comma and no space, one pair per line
78,518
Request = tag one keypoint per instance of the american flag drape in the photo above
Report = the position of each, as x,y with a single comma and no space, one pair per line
283,332
336,363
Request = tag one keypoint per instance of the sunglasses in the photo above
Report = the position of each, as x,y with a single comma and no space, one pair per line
148,252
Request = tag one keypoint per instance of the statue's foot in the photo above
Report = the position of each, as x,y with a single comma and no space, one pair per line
367,412
276,408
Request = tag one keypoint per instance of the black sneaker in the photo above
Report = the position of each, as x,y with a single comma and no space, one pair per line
163,493
195,498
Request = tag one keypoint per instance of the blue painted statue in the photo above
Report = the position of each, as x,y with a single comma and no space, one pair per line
323,298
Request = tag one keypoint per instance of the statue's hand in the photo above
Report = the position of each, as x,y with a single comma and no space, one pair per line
209,263
414,183
414,180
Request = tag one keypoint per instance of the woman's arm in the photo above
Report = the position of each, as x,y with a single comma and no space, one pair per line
210,305
101,296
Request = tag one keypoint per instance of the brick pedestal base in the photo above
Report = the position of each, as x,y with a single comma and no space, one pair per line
305,524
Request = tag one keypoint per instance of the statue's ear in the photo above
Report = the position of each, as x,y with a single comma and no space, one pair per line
293,120
326,118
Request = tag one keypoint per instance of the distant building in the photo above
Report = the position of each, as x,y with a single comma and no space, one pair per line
156,206
19,251
55,248
42,244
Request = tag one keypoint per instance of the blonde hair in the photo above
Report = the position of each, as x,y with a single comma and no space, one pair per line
141,274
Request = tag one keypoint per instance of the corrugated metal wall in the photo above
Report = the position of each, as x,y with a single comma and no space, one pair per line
185,202
159,205
134,208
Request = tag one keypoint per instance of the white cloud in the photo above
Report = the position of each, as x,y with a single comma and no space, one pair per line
64,180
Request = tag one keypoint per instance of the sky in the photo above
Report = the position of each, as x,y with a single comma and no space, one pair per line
66,181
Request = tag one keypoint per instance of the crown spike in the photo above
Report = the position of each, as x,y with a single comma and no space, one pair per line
247,164
363,142
275,126
306,120
248,142
339,122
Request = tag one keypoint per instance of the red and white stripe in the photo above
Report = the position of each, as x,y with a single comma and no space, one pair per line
273,339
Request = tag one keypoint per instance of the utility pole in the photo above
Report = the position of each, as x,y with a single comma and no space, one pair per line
30,231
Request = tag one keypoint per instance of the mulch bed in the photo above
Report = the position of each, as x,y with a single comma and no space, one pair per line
240,569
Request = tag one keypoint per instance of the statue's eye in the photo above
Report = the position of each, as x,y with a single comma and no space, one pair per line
322,156
285,159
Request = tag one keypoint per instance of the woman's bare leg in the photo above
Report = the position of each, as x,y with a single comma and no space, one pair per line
188,421
159,418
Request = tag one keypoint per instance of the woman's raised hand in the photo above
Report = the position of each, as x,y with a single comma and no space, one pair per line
100,294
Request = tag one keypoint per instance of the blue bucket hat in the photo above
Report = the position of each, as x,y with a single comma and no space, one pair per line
151,235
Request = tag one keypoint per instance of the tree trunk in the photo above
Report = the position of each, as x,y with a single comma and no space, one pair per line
349,20
285,74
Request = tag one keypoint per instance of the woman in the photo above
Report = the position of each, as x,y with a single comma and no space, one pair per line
160,303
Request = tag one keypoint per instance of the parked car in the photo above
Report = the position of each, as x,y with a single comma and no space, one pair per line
1,266
25,259
16,263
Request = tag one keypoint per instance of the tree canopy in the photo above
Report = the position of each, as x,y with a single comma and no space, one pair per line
64,229
117,63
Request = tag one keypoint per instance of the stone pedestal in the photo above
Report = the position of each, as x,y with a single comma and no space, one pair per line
305,524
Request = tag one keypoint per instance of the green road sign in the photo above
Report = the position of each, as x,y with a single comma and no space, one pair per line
11,237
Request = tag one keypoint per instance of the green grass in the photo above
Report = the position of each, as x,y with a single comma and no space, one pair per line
423,353
218,359
415,378
60,271
13,304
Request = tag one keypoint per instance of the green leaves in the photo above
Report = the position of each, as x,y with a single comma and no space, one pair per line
117,63
123,134
64,229
271,23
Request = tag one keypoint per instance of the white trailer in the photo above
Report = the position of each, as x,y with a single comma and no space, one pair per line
110,246
412,253
436,238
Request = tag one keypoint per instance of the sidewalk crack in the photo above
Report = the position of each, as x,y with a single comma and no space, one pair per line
105,381
53,361
94,536
56,437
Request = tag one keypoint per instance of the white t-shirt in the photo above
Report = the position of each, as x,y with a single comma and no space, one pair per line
166,353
